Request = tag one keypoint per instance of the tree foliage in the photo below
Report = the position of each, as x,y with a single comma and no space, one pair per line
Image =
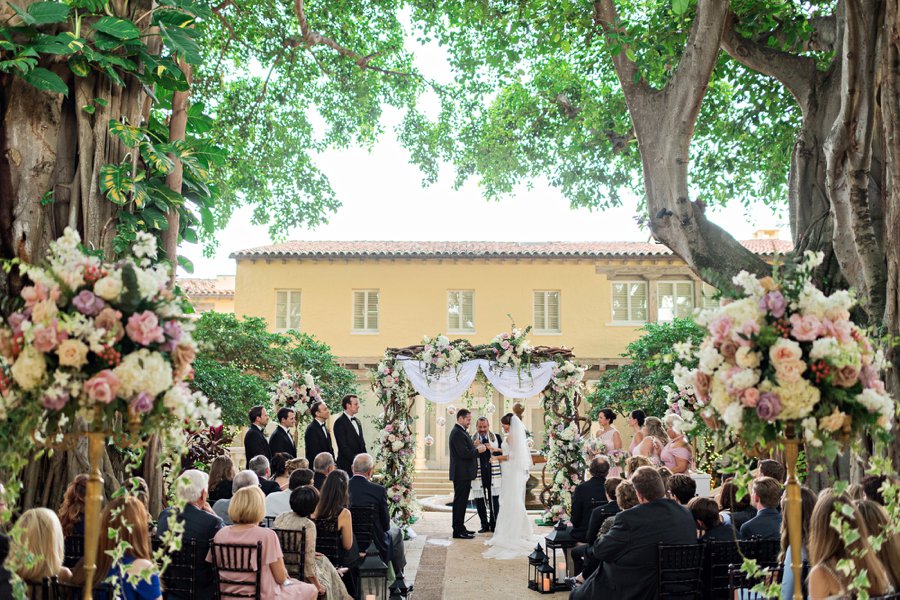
239,358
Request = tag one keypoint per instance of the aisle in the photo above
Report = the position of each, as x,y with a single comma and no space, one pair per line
457,571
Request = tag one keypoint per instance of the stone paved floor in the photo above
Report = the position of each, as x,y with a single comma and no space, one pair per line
466,574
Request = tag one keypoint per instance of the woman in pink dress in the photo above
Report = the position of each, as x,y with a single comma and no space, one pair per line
654,441
636,422
677,453
610,437
246,510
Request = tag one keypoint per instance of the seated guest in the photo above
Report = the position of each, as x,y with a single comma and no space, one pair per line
318,570
877,520
583,500
709,523
664,474
260,466
323,465
221,474
633,463
772,468
246,510
41,536
827,548
297,463
127,516
872,487
71,513
766,525
629,551
388,537
682,488
279,470
200,524
598,517
734,511
807,505
241,480
280,502
333,502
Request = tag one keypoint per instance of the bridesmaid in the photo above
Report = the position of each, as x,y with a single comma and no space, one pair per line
636,422
654,441
610,436
677,453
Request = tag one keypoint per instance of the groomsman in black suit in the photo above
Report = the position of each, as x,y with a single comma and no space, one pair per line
317,437
281,439
348,433
255,443
463,470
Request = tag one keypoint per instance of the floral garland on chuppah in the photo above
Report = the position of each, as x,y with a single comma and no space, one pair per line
439,355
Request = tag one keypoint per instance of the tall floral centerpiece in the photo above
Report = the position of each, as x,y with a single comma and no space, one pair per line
99,349
783,363
291,391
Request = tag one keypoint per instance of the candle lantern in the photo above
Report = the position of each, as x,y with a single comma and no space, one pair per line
373,575
544,578
535,559
559,553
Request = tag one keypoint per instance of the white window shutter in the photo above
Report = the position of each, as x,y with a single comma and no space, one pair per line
372,311
540,322
467,311
620,302
359,311
281,302
553,311
638,302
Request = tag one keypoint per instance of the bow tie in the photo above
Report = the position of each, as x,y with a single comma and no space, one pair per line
353,419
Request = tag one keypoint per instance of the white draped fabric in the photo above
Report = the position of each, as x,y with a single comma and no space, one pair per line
451,384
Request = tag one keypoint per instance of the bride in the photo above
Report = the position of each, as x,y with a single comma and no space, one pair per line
513,535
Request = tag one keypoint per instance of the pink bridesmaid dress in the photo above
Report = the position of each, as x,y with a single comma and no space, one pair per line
608,440
672,452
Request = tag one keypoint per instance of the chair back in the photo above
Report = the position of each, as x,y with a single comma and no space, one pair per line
717,559
71,591
73,550
363,518
595,502
328,540
237,567
679,571
268,522
39,590
179,577
293,546
738,580
764,552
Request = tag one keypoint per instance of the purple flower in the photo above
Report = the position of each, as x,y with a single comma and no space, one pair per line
15,321
774,303
55,400
173,333
88,303
768,406
142,403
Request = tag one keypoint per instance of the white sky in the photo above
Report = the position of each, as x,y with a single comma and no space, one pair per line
383,199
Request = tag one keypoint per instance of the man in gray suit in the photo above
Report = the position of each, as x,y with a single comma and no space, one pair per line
241,480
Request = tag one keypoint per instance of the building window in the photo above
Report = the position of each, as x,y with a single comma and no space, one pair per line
709,299
546,312
287,309
461,311
365,311
675,299
629,301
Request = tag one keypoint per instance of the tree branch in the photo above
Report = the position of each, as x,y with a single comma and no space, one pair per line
796,73
606,16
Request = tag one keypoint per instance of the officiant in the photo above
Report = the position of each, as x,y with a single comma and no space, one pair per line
487,481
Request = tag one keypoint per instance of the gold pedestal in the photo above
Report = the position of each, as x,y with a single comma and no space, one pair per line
92,512
794,508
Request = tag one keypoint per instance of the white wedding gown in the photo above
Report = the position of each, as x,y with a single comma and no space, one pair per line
513,534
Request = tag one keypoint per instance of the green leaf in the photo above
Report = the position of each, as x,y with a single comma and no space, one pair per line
101,101
44,79
630,54
47,198
63,44
156,159
116,181
117,28
186,263
27,18
48,12
130,135
89,109
173,18
155,218
79,65
189,235
679,7
180,41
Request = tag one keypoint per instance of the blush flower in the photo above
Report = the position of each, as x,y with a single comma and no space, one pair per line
87,303
55,399
142,403
784,350
750,397
774,303
768,406
46,339
790,371
72,353
143,328
102,387
110,320
805,328
846,376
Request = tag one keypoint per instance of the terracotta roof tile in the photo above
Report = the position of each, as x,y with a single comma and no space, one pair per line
364,249
194,287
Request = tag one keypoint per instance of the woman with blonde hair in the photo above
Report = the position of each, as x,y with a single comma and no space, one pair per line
71,513
677,453
246,509
827,548
876,519
633,463
42,537
221,474
655,439
127,516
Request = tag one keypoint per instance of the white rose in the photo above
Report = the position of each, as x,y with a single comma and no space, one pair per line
824,348
148,285
744,378
109,287
710,359
733,416
29,369
443,340
308,380
397,446
455,355
746,358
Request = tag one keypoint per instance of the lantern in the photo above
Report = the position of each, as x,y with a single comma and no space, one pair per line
535,559
559,552
373,575
544,580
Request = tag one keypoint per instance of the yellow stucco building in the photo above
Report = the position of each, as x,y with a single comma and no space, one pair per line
210,294
363,297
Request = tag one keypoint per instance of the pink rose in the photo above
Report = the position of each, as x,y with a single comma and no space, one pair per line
143,328
728,349
750,397
46,339
841,330
39,292
110,320
790,371
747,330
701,386
805,328
784,351
55,400
868,375
846,376
720,328
504,344
102,387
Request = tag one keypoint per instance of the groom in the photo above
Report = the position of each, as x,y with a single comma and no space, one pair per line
463,469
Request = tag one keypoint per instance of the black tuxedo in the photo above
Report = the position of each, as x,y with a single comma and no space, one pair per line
349,442
463,469
388,539
280,441
485,473
268,486
317,439
720,533
765,525
201,526
630,551
582,555
319,480
255,444
583,505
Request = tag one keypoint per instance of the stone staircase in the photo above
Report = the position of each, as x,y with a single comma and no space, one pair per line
432,482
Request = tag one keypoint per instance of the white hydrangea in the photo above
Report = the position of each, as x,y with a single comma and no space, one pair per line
810,429
684,350
875,402
812,259
733,416
710,359
143,371
684,378
744,378
746,358
144,245
824,348
812,301
308,379
750,283
29,369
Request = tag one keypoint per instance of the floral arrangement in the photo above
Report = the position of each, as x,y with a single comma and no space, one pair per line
512,347
566,463
619,458
566,377
593,446
782,352
104,342
288,391
439,354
